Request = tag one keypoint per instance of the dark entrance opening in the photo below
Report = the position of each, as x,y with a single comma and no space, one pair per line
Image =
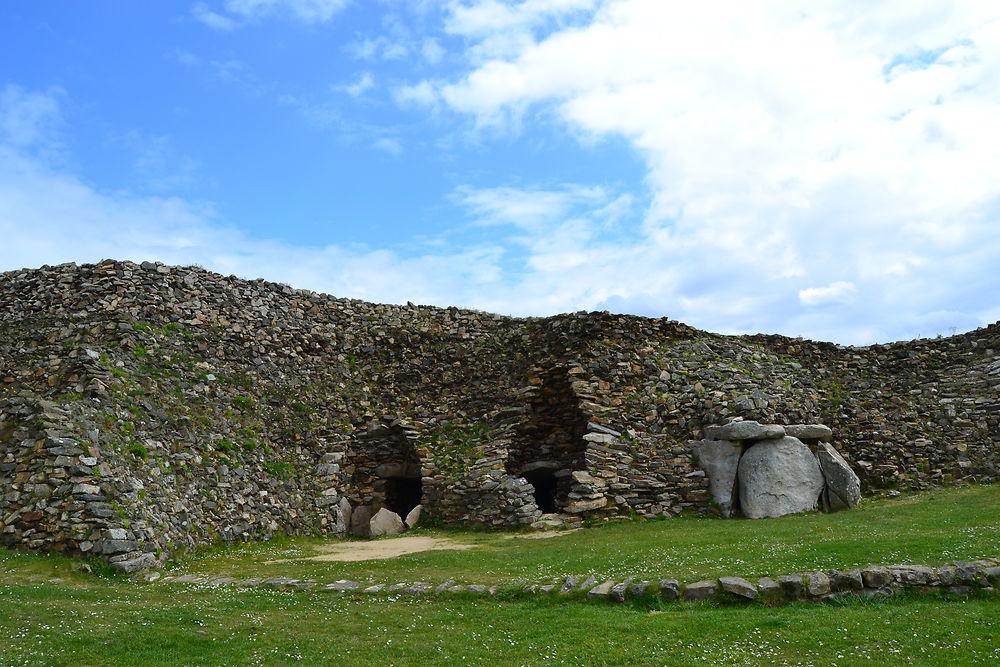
402,494
544,482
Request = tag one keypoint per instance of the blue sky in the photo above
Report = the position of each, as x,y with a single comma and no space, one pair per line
742,167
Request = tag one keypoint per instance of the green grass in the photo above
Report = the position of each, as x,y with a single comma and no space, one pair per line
53,614
174,625
953,524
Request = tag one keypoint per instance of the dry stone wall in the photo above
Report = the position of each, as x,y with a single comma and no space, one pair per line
148,409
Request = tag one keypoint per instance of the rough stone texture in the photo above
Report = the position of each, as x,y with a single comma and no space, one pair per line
413,516
361,520
778,477
720,459
700,590
745,430
186,407
738,586
818,584
670,589
602,590
842,489
791,585
809,431
386,522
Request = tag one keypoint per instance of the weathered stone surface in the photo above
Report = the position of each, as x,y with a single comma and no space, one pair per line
413,516
700,590
670,589
768,588
601,590
778,477
343,585
745,430
720,459
843,581
876,577
791,585
738,586
809,431
361,518
620,590
818,584
578,506
842,488
386,522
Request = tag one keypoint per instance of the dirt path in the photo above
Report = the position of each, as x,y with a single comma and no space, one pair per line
378,549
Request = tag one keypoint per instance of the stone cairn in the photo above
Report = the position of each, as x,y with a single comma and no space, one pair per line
769,470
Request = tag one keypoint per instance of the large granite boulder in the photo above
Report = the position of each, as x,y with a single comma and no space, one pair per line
720,460
843,488
778,477
386,522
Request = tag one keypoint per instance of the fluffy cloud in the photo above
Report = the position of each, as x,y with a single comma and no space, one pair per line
842,144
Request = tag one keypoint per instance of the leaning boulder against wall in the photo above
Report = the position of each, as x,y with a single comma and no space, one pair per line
777,477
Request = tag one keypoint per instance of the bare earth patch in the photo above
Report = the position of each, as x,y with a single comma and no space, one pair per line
544,535
377,549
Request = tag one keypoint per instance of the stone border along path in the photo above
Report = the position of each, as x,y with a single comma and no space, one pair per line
959,577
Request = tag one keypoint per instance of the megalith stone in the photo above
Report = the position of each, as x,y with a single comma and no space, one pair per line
720,460
386,522
344,524
745,430
843,488
413,516
779,477
361,521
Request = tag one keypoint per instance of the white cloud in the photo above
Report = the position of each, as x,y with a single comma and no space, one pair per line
786,147
363,84
838,292
29,118
432,51
236,13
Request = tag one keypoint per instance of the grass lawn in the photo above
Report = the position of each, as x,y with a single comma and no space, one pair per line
953,524
50,614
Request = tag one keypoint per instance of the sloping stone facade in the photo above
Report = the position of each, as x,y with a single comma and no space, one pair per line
147,409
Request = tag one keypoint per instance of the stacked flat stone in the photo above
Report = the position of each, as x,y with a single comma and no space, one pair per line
775,470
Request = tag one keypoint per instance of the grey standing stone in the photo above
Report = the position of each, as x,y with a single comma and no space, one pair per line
386,522
700,590
842,488
779,477
720,459
738,586
344,525
361,521
413,516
